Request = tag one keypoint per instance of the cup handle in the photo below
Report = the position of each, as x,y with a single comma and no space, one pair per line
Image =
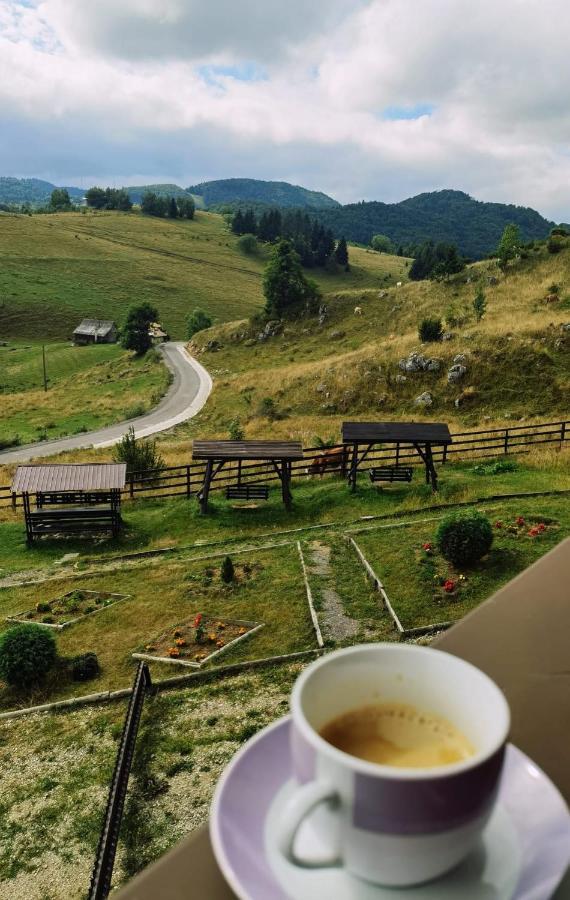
302,803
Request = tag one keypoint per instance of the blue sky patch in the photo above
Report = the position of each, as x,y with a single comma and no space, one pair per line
247,71
408,112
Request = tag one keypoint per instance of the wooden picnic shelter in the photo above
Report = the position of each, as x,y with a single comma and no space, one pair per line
217,454
70,499
422,436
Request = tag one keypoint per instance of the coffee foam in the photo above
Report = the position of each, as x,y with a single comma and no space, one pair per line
396,734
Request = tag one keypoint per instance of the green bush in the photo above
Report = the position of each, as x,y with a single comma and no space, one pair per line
227,573
27,653
463,538
138,455
85,667
247,244
430,330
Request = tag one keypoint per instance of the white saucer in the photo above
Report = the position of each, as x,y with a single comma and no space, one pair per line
524,853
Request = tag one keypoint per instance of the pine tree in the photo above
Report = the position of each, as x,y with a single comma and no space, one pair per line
227,572
341,253
237,223
172,208
249,223
284,285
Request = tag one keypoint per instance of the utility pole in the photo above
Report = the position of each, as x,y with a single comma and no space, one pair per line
44,362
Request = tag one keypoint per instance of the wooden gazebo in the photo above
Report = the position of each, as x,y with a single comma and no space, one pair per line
422,436
70,499
280,454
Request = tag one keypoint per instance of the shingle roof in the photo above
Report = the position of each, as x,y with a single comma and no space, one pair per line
96,327
79,477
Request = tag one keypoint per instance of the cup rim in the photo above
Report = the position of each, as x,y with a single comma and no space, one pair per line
394,773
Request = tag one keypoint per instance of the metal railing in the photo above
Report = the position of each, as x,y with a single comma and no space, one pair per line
186,480
105,858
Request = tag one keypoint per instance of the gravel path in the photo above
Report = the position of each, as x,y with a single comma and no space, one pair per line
335,624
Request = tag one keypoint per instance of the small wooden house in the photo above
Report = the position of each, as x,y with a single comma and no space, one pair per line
157,333
96,331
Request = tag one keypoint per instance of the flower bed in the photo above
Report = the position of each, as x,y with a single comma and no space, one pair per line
66,610
197,641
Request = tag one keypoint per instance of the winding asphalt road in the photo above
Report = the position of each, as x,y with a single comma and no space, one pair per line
186,396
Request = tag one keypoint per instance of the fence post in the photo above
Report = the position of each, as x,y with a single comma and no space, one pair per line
444,455
188,482
131,487
15,498
562,433
506,450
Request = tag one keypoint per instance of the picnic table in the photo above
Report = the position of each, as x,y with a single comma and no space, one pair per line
217,454
422,436
520,638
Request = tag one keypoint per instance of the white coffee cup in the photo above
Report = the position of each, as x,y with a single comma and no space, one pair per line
389,825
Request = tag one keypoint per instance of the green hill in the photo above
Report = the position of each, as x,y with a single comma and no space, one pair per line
450,216
57,269
252,190
30,190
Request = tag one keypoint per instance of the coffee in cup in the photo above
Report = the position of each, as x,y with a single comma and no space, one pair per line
397,734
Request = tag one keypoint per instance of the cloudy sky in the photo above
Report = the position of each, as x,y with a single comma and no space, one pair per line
363,99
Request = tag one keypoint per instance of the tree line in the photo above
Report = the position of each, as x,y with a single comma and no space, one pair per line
152,204
314,244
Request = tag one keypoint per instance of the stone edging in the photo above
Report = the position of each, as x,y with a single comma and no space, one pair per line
164,685
62,625
199,665
312,610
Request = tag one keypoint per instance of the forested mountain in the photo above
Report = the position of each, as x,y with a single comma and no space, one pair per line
450,216
30,190
270,193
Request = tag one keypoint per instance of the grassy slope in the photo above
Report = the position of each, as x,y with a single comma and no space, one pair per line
55,269
518,357
88,387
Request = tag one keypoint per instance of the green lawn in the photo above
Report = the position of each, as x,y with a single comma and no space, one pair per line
164,593
408,572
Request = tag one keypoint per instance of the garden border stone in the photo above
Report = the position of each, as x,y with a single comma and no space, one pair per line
378,585
62,625
192,664
310,601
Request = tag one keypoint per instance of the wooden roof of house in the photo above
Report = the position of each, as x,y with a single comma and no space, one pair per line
95,327
63,478
395,432
236,450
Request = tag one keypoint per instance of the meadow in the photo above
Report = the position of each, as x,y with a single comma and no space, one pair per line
87,388
57,269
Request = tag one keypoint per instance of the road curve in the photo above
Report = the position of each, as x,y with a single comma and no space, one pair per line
186,396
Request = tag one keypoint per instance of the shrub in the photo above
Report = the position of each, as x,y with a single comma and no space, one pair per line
85,667
247,243
27,653
227,573
235,430
198,321
463,538
42,607
430,330
138,455
555,244
268,409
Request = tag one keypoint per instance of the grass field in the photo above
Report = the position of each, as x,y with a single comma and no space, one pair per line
88,387
56,269
164,593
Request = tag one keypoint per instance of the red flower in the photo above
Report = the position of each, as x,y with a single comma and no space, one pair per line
449,586
534,531
541,527
197,620
520,521
498,524
427,547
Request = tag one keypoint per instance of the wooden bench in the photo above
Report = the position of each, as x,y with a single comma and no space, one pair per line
247,492
391,473
73,521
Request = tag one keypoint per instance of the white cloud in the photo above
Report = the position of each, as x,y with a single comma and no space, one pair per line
133,71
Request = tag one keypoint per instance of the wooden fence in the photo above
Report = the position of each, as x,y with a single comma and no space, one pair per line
175,481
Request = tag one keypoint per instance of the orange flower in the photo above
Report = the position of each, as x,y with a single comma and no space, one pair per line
242,631
174,652
219,643
150,647
221,626
211,637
